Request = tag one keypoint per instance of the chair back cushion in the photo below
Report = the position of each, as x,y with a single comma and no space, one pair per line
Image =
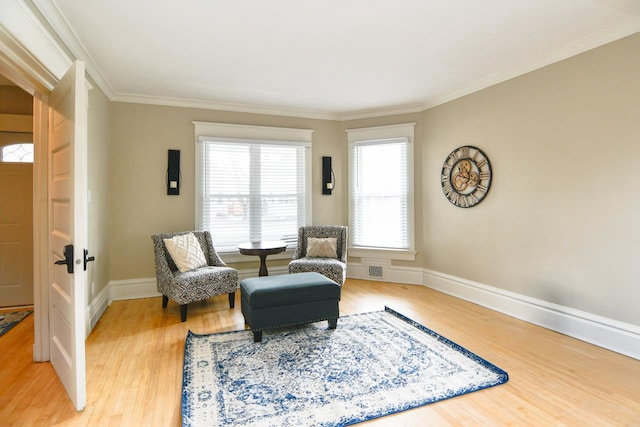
338,232
322,247
185,251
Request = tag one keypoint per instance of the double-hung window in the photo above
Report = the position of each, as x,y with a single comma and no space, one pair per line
253,185
381,190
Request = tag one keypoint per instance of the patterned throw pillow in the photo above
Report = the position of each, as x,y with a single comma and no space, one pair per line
322,248
186,252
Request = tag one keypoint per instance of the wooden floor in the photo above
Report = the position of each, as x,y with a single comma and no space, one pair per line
134,366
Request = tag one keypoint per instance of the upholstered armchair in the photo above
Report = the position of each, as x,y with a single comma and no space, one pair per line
330,264
211,278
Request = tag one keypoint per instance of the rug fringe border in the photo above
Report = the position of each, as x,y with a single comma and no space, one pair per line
450,343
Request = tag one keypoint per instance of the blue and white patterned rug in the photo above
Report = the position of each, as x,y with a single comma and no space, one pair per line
9,320
373,364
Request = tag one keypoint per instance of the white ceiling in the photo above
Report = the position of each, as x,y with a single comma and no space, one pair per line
336,59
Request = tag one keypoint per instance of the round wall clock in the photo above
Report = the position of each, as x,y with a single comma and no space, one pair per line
466,176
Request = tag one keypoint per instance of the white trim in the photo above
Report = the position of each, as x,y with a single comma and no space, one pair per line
146,287
237,258
383,134
372,133
611,334
17,64
390,273
60,25
96,309
41,266
246,273
251,132
22,24
225,106
381,112
382,253
132,289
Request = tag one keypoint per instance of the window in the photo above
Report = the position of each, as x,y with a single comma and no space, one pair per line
381,188
17,153
252,189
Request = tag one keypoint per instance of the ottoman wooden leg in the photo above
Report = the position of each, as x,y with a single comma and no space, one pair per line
333,323
257,336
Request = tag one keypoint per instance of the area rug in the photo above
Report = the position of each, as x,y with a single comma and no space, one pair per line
9,320
373,364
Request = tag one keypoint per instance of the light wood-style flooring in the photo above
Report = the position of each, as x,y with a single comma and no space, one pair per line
134,366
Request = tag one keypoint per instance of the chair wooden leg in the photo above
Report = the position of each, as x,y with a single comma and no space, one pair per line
232,299
165,300
183,312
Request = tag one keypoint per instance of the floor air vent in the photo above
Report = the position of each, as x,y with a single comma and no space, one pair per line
375,271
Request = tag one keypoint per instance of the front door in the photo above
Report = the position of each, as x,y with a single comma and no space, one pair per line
68,229
16,234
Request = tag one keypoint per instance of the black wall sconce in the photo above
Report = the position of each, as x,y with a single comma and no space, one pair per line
173,173
328,178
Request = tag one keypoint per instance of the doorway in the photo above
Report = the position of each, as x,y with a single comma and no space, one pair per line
16,193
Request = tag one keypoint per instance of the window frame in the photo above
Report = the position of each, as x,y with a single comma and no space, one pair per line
233,133
378,135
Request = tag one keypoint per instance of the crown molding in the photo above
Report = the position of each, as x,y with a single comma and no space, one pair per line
223,106
381,112
52,14
29,46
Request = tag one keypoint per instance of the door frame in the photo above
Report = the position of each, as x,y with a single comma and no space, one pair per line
40,219
36,69
41,265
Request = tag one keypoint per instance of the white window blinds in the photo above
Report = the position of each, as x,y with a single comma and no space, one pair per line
252,190
380,194
381,188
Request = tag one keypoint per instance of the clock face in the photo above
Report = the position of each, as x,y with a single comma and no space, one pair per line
466,176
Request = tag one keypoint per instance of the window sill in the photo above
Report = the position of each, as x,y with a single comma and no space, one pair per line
382,253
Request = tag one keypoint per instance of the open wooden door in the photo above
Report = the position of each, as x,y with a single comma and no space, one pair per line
68,230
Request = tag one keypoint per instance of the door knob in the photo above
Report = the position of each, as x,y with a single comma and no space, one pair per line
87,259
68,259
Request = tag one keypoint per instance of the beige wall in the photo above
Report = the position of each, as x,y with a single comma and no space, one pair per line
140,207
14,100
98,165
561,221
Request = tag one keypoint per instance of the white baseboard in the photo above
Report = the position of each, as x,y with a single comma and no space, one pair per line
390,273
146,287
273,271
96,309
611,334
132,289
141,288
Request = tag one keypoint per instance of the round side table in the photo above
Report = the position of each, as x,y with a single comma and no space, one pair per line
262,249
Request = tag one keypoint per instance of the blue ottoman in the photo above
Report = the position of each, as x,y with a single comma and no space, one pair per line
290,299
